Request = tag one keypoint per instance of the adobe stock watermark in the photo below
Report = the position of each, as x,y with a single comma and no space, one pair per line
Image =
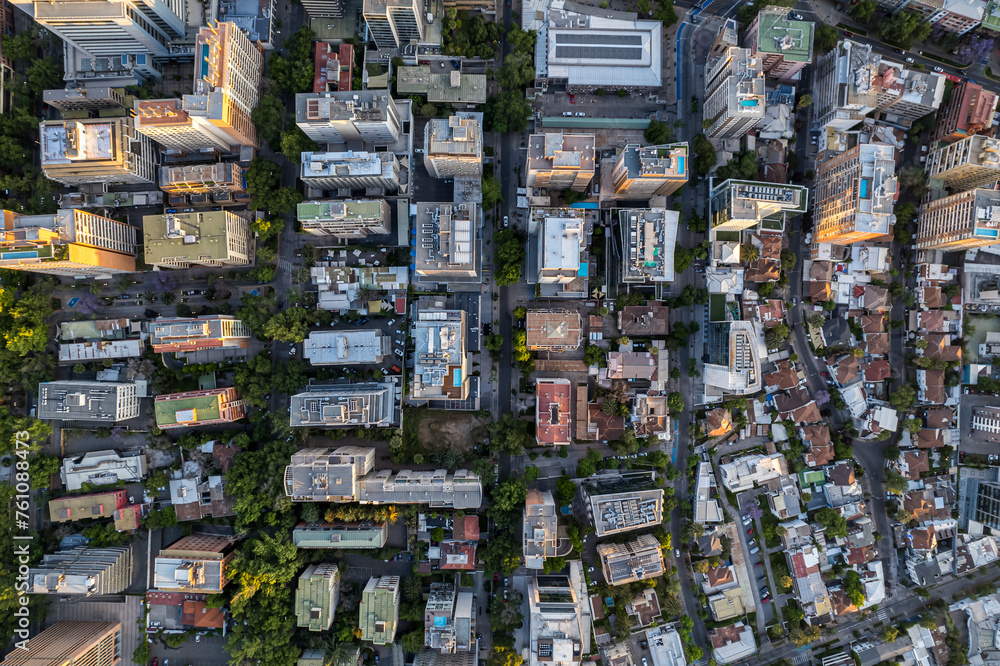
22,500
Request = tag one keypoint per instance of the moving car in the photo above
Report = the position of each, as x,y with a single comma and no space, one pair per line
938,70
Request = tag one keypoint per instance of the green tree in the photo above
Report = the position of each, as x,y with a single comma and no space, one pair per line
502,555
863,12
854,588
665,14
41,467
675,402
437,534
903,398
503,656
835,524
554,564
896,482
805,101
507,111
413,641
890,634
294,142
565,490
492,192
705,157
825,38
903,29
268,118
658,132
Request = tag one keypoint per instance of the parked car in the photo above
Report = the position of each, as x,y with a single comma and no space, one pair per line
581,114
909,60
506,221
677,552
938,70
572,98
396,369
398,352
124,297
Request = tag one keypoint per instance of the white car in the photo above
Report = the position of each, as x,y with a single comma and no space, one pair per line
938,70
506,221
909,60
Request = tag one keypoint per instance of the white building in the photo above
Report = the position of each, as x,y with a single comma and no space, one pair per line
103,468
439,367
351,171
346,347
734,93
347,405
845,87
665,646
540,528
648,238
369,116
91,402
753,470
559,618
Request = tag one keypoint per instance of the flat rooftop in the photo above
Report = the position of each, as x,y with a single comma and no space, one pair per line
777,33
347,347
67,141
554,151
623,512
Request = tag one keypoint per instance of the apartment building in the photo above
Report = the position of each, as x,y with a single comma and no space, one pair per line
316,596
561,245
350,219
845,86
89,402
225,335
972,162
558,161
70,243
733,366
379,614
449,619
855,195
210,239
735,205
553,330
83,352
453,147
194,408
346,475
334,70
90,506
447,248
91,99
394,23
784,45
624,512
369,116
83,571
375,404
752,470
223,180
71,644
351,171
734,94
628,562
648,240
440,366
540,533
340,535
560,618
642,172
969,111
961,221
112,27
96,150
195,563
906,95
103,468
553,420
346,347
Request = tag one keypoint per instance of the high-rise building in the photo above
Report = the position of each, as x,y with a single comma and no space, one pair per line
394,23
91,99
648,240
959,222
845,87
112,27
224,180
560,161
85,571
906,95
560,618
969,111
640,173
338,117
453,147
449,619
379,613
226,89
540,528
440,370
562,244
86,401
345,219
735,205
213,238
71,644
347,405
352,171
447,248
855,195
96,150
631,561
783,44
972,162
71,243
317,595
734,94
194,408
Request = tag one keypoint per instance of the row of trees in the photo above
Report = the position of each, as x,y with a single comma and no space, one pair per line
508,111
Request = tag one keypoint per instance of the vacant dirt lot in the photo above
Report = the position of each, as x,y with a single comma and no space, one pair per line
439,429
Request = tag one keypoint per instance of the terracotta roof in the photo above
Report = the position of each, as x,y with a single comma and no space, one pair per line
845,368
860,555
608,427
457,556
876,343
791,400
939,348
817,438
916,462
720,575
820,291
934,297
933,321
821,271
922,538
929,438
876,298
940,418
649,319
197,614
552,413
719,422
872,323
784,377
466,529
876,371
723,636
842,603
841,474
934,392
808,413
762,270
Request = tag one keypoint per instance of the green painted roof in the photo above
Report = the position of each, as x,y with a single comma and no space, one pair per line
314,210
379,612
421,80
207,229
811,477
777,34
315,600
991,17
206,409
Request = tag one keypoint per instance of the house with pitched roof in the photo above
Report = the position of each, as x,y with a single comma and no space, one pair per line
816,438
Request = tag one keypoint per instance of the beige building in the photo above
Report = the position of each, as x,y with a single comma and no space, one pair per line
70,243
96,150
960,222
734,94
640,173
559,161
971,162
345,219
553,330
540,528
71,644
735,205
83,571
182,240
394,23
369,116
453,147
440,369
855,195
226,90
631,561
448,247
220,178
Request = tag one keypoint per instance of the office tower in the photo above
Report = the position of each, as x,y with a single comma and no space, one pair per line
91,99
560,161
447,248
560,618
969,111
345,219
324,9
734,94
640,173
960,222
845,87
70,243
84,571
226,90
213,238
112,27
783,44
96,150
907,94
71,644
369,116
94,402
394,23
735,205
972,162
453,147
352,171
379,613
855,195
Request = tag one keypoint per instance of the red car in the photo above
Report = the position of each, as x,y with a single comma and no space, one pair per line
572,99
156,661
750,531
